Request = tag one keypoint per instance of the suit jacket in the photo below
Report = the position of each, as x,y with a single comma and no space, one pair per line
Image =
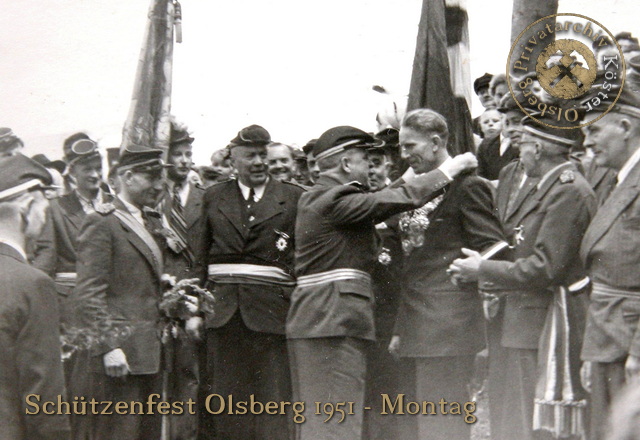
490,162
119,281
227,237
435,317
55,249
611,252
179,265
336,230
552,223
30,346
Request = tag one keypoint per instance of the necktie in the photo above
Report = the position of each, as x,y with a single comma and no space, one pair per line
515,190
179,224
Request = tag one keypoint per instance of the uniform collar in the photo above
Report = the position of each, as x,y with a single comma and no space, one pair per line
628,166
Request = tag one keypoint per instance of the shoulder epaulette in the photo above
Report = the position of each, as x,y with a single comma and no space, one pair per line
105,208
297,185
356,184
567,176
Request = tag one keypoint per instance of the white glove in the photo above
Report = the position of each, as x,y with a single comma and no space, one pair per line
115,363
193,327
458,164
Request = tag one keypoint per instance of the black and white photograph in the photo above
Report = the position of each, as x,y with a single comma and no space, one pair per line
338,220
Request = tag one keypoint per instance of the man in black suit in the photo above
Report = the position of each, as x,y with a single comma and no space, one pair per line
120,263
439,327
30,338
181,208
246,255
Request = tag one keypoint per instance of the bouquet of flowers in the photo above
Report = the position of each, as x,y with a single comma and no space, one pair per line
104,331
414,223
181,301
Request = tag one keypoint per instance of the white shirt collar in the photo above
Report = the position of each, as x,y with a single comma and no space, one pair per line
15,246
505,143
628,166
134,211
184,191
258,190
548,173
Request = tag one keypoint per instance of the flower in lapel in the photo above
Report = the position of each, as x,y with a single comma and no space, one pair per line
283,240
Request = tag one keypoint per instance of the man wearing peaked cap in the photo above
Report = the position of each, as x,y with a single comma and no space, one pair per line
533,283
30,361
119,265
610,251
330,322
245,256
481,88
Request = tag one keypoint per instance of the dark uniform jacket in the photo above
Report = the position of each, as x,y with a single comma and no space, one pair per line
386,276
55,249
119,280
179,265
228,237
435,317
611,253
336,230
509,181
551,225
30,351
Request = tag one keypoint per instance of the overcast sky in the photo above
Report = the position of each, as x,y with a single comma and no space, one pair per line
295,67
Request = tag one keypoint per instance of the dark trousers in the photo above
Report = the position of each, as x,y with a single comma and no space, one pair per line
329,370
443,378
128,388
387,375
607,381
511,388
241,362
184,380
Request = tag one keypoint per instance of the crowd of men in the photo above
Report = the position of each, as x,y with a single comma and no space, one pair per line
338,275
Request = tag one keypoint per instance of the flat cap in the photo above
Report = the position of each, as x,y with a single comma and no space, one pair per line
251,136
338,139
179,135
9,140
482,82
308,148
388,140
19,174
80,150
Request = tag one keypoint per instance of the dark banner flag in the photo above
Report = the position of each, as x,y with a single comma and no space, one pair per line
148,125
434,82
